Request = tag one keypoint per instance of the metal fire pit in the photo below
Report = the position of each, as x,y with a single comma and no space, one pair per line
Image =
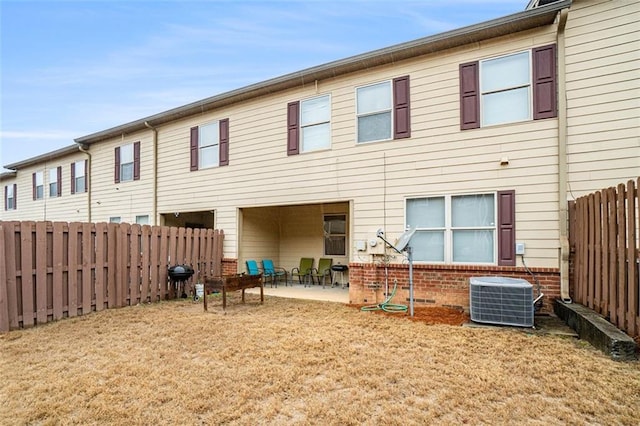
180,274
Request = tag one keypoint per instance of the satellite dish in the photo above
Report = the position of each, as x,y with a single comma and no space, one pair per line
404,239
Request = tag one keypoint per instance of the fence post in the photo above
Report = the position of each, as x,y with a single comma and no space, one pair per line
631,259
4,294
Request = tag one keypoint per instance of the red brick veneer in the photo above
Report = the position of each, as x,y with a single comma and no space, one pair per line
441,285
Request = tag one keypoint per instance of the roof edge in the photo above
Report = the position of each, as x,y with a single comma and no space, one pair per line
44,157
528,19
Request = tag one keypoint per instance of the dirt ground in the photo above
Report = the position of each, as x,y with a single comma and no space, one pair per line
427,315
299,362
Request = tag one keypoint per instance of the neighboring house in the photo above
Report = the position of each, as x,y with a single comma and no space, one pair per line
477,137
52,186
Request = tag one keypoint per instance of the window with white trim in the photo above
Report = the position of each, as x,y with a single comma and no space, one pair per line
208,145
142,220
79,176
374,104
453,228
315,123
126,163
53,182
335,234
505,88
115,219
10,197
38,189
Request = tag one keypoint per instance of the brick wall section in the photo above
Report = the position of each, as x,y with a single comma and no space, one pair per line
441,285
229,266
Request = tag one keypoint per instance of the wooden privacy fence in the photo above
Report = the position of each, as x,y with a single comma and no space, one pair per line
603,233
54,270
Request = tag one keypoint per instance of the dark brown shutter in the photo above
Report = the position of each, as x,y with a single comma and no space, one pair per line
507,228
15,196
293,128
224,142
116,172
73,178
469,96
401,110
136,161
545,103
194,148
86,175
59,181
33,179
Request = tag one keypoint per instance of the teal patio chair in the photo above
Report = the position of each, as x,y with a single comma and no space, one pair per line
303,272
274,273
252,267
323,271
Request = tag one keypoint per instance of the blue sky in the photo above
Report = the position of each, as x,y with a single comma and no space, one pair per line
72,68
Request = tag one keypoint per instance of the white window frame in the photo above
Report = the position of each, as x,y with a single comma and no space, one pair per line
53,182
374,112
448,229
124,149
80,178
39,185
314,124
142,219
11,197
505,89
204,145
329,233
115,219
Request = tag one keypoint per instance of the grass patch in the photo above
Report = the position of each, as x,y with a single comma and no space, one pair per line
298,362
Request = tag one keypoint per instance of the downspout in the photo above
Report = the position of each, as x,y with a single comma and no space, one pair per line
155,173
563,216
87,178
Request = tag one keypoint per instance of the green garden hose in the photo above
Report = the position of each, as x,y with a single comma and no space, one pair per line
386,306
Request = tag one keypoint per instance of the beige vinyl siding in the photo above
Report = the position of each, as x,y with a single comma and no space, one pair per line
375,177
603,94
66,208
125,199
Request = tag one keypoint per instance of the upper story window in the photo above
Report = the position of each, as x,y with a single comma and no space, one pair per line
505,88
55,185
210,145
78,176
315,119
475,228
127,163
508,89
38,185
373,110
208,149
10,197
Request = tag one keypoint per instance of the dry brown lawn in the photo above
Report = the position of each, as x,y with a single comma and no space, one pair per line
302,362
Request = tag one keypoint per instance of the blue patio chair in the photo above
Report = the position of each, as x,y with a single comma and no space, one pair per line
252,267
274,273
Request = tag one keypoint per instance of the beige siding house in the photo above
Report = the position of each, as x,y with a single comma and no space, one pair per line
477,138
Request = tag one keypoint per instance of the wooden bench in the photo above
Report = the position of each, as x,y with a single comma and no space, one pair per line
232,283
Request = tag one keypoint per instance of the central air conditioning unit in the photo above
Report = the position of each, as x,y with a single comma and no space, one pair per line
501,300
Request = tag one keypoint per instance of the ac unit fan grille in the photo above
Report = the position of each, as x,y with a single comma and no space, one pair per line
499,300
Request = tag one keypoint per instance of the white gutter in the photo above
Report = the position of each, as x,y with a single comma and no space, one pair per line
562,160
154,191
87,179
